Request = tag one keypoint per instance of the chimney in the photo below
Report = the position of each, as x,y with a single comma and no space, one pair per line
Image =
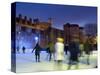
20,18
25,19
30,21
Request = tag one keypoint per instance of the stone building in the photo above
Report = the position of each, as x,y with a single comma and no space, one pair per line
29,31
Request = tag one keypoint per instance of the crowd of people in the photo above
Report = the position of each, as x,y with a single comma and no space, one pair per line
57,51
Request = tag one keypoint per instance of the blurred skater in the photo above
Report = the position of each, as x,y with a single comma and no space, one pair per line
74,53
88,50
18,49
37,49
59,50
50,50
23,49
81,47
66,48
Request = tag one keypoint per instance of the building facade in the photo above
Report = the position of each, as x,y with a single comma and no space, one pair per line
73,31
29,32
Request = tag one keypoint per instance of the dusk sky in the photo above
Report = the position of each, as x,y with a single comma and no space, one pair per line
60,14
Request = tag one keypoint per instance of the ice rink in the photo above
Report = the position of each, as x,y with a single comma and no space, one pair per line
26,62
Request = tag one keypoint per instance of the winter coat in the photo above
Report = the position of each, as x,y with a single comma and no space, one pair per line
59,51
50,48
74,51
37,49
87,48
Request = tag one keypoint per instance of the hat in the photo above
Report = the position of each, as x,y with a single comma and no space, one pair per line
60,39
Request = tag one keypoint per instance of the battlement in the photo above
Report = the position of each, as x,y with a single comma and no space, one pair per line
34,24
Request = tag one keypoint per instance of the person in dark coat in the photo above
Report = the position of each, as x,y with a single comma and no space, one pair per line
50,50
66,48
18,49
74,53
88,50
37,49
49,53
23,49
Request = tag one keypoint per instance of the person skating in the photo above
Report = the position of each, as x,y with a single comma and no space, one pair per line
50,50
74,53
18,49
66,48
81,47
23,49
88,50
59,50
37,49
59,53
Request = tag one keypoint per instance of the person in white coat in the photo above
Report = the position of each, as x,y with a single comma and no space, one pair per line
59,50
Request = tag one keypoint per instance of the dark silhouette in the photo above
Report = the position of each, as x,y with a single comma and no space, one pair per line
18,49
50,50
74,52
66,48
88,50
37,49
23,49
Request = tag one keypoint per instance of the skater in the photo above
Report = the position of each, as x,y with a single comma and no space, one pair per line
88,50
66,48
50,50
23,49
81,47
18,49
37,49
74,53
59,50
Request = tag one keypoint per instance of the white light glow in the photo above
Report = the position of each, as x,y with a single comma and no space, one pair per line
36,38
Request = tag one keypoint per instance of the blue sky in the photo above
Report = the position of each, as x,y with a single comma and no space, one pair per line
60,14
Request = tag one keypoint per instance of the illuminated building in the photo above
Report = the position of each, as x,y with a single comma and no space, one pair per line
70,31
82,35
29,32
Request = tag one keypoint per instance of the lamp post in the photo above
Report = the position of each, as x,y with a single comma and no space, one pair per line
36,39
